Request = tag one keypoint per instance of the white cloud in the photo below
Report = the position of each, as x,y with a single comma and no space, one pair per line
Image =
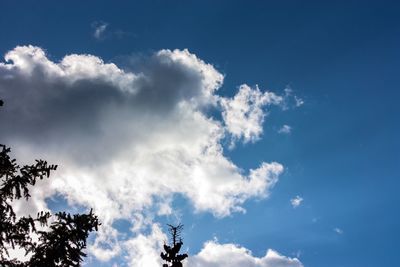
214,254
298,101
99,29
107,244
144,250
244,114
296,201
338,230
285,129
103,30
290,100
127,142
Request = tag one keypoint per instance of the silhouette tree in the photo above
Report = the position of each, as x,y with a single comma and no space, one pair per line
171,252
61,244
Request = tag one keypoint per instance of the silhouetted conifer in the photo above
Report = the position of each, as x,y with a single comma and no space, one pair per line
171,255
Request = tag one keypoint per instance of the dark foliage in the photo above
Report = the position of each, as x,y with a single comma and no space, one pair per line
61,244
171,252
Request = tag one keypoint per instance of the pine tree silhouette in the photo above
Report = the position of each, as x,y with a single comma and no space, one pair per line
171,255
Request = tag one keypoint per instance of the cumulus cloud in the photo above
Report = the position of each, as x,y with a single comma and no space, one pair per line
214,254
243,114
285,129
129,141
144,249
296,201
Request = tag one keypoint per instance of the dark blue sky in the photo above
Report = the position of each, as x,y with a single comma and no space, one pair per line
341,57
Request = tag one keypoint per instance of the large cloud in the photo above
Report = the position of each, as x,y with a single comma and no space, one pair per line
129,141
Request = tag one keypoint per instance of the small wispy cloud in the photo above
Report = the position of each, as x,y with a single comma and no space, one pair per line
338,230
99,29
285,129
297,254
296,201
291,100
299,101
103,30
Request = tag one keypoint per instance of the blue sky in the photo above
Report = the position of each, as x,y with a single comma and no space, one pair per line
341,154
